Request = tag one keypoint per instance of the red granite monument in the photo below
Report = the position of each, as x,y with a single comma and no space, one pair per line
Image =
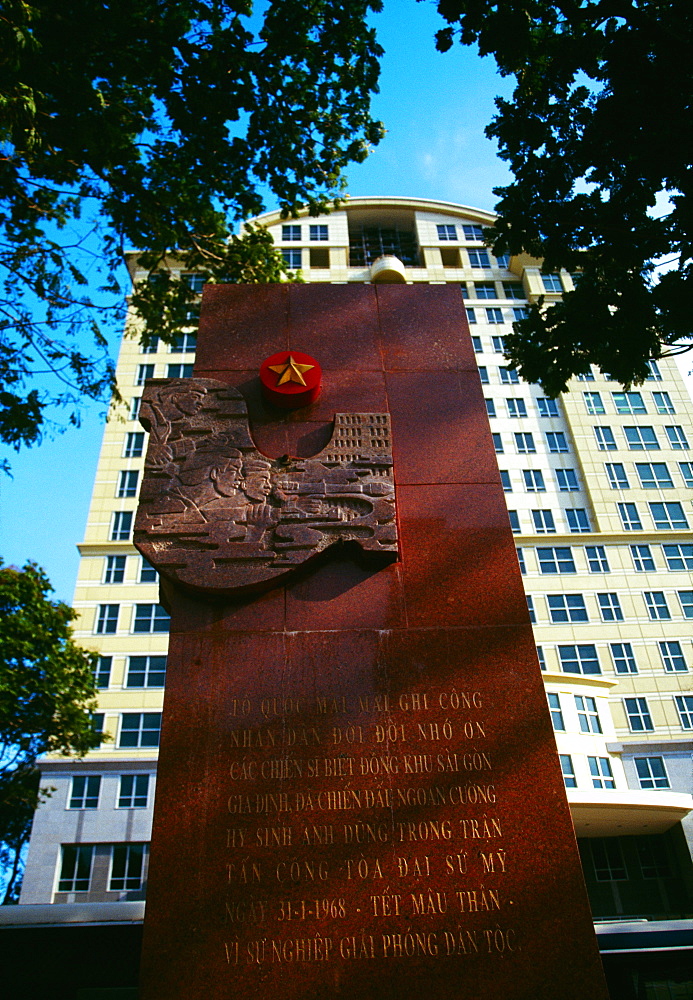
358,793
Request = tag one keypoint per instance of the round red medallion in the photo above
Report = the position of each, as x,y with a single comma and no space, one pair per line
290,379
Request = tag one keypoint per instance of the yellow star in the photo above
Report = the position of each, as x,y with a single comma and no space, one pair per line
290,371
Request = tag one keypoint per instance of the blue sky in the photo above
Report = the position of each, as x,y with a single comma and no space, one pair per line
435,107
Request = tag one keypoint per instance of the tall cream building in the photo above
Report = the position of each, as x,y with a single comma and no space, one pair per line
599,487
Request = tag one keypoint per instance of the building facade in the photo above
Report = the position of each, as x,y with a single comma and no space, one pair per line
599,487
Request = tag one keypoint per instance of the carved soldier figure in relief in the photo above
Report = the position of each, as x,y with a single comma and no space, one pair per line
217,515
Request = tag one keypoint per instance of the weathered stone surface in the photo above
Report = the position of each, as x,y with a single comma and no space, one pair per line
217,515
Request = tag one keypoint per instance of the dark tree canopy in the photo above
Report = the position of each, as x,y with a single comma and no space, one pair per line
599,136
47,692
162,123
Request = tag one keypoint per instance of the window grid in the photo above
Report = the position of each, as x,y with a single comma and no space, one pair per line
140,729
663,403
638,715
630,518
605,438
686,602
122,525
134,791
567,770
127,867
146,672
516,407
534,480
656,604
651,772
628,403
127,483
566,608
610,607
524,443
602,775
642,558
151,618
579,659
567,480
616,474
588,716
479,258
555,559
640,438
677,439
578,520
672,656
505,481
597,561
668,516
102,671
143,373
686,470
547,407
557,442
678,557
556,713
84,793
593,403
107,619
114,571
494,314
684,706
624,660
544,523
654,475
75,867
134,444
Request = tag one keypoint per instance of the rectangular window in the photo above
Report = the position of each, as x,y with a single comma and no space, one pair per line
638,714
497,444
672,656
524,443
588,715
628,402
642,558
541,658
147,572
494,314
607,859
587,376
484,290
513,290
146,672
107,619
651,772
151,347
566,608
622,655
616,474
641,438
318,233
291,234
521,560
102,671
567,480
445,232
593,403
596,559
684,706
75,867
134,407
319,257
520,313
476,344
184,343
678,557
508,376
686,602
514,521
115,569
473,232
544,523
602,775
686,470
140,729
663,403
134,444
656,604
151,618
556,440
556,713
534,480
630,518
547,407
668,516
567,770
143,373
505,481
498,344
84,793
552,283
471,315
483,375
516,407
655,374
530,608
578,521
610,607
579,659
490,408
677,439
122,525
654,475
479,258
127,483
127,867
292,258
134,791
555,559
195,282
180,371
605,438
